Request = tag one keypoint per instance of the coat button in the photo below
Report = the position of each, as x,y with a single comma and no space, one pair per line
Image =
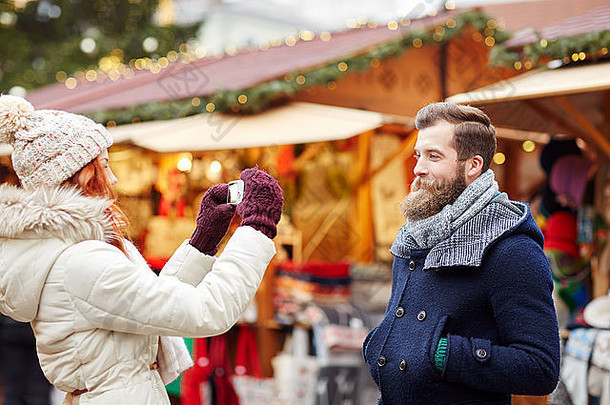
400,311
402,365
481,353
421,315
411,265
381,361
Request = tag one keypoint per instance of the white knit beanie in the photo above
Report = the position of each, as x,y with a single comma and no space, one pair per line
49,146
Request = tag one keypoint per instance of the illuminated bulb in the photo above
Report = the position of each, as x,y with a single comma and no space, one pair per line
499,158
87,45
528,146
70,83
215,167
150,44
185,164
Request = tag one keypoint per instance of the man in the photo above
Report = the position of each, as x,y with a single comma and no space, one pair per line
470,318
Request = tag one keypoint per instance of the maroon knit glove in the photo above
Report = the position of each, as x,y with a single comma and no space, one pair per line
261,206
213,219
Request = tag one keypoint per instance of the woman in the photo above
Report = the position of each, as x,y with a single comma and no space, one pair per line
96,308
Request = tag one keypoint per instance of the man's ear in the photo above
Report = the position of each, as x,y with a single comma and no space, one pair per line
474,168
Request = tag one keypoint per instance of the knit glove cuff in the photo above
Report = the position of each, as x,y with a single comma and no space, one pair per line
440,354
213,220
261,207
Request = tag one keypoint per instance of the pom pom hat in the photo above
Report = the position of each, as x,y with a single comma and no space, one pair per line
49,146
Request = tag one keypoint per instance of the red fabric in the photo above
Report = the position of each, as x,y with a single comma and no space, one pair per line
316,269
247,361
221,375
190,383
561,232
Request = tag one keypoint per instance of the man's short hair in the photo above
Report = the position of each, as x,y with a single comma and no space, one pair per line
474,134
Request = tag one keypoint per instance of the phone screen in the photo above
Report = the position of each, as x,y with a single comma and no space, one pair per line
236,192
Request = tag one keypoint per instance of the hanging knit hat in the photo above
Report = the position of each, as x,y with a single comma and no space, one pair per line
49,146
561,233
569,176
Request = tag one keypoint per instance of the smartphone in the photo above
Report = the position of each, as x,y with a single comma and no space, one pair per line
236,192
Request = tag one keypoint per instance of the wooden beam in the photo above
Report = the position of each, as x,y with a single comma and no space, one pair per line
407,146
553,116
585,124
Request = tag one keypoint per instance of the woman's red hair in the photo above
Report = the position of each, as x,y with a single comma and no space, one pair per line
93,181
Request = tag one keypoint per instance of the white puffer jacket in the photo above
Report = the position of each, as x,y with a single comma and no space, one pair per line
97,313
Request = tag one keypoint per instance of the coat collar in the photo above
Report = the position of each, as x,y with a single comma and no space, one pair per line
56,212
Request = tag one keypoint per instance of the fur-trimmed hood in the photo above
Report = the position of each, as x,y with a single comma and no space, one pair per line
37,225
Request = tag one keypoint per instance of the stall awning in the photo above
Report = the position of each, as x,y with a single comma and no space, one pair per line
538,84
567,100
294,123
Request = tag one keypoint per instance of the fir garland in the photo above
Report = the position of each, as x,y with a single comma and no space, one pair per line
265,95
576,48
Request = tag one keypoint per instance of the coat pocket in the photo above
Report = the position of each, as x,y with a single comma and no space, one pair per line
437,333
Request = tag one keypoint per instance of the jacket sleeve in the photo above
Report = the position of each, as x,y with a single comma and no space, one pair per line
111,292
526,359
188,264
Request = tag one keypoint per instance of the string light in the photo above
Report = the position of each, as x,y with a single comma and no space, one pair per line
290,40
306,35
342,66
528,146
210,107
70,83
242,99
499,158
325,36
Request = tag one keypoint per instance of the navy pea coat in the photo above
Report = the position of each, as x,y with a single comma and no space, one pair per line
498,317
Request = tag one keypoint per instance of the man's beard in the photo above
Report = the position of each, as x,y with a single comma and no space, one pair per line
422,203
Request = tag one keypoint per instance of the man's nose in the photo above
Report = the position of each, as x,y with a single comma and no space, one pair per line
420,168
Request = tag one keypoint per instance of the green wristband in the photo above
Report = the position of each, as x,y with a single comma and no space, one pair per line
440,353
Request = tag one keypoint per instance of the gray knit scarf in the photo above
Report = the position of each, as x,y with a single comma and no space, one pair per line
460,232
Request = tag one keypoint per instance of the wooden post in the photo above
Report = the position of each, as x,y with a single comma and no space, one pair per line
364,212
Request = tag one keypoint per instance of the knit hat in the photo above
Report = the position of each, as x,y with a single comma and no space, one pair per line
560,233
49,146
569,177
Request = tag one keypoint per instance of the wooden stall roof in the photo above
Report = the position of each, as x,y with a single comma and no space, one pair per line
597,19
210,74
